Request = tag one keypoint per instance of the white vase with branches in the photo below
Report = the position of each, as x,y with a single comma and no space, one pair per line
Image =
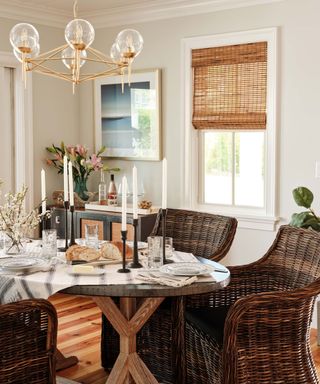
15,222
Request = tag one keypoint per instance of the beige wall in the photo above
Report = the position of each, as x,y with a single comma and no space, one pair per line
55,109
298,110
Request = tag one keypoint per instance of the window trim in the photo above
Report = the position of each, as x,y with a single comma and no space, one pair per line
266,217
23,115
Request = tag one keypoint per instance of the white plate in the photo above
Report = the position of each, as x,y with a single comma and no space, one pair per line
95,272
141,244
186,269
20,263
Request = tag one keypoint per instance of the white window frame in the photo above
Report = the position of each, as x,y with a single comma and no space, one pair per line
248,217
23,119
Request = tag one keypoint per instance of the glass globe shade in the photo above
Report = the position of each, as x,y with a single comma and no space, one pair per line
115,53
68,57
24,37
34,53
130,43
79,34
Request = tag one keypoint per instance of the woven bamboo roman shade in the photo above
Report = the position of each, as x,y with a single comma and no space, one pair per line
230,87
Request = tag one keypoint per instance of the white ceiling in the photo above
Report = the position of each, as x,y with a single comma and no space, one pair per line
103,13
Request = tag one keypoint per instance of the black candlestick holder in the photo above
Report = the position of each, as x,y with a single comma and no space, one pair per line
135,263
124,238
164,230
66,207
72,239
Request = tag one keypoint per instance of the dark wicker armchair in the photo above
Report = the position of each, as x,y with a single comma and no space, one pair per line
256,331
28,337
202,234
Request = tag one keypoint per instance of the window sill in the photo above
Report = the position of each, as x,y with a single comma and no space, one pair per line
257,220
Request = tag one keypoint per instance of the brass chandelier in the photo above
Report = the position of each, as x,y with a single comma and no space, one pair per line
79,35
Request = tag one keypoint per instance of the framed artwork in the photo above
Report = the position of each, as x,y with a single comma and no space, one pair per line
127,121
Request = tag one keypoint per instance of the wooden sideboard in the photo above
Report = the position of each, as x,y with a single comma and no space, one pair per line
109,223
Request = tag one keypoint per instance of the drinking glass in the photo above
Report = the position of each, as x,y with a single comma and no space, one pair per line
169,247
91,235
49,244
155,259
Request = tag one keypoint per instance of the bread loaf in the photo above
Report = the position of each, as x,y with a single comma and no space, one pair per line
113,250
79,252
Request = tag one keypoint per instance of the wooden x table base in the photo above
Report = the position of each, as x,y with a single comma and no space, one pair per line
127,321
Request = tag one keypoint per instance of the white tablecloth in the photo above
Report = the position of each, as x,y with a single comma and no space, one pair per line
45,284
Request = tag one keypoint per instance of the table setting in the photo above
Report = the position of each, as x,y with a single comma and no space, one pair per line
32,275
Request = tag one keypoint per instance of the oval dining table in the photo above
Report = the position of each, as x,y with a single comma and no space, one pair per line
128,319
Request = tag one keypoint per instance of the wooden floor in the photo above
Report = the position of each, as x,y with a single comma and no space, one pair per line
79,334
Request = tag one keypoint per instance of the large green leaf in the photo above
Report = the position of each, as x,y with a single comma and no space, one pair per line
313,222
299,219
303,197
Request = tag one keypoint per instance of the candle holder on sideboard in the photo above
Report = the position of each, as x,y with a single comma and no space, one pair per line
164,229
66,207
72,238
135,263
124,238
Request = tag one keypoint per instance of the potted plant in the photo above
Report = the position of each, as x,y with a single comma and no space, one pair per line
306,219
82,163
15,222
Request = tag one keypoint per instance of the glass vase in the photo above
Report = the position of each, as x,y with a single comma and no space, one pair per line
80,187
13,246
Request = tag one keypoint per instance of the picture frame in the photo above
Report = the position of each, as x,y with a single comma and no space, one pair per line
128,121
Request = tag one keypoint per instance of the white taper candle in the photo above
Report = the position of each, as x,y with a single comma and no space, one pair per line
124,204
43,191
71,184
164,183
135,192
65,179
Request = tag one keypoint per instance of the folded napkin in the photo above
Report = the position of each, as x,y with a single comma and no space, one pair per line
164,279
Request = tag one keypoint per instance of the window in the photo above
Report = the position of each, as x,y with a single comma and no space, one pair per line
7,167
230,125
16,142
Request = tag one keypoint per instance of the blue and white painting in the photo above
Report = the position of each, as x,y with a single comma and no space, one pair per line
130,118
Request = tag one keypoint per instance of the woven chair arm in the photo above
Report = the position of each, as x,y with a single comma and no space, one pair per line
244,281
266,324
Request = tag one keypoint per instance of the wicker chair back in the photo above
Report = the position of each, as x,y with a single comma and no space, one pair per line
28,338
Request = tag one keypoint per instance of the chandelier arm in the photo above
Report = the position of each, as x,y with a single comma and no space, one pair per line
98,54
108,62
50,72
52,53
47,56
101,74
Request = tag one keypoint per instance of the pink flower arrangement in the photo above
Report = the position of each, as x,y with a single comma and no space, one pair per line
83,164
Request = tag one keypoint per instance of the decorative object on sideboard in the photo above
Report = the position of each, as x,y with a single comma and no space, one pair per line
79,35
102,190
112,193
145,204
83,165
57,197
307,219
15,222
